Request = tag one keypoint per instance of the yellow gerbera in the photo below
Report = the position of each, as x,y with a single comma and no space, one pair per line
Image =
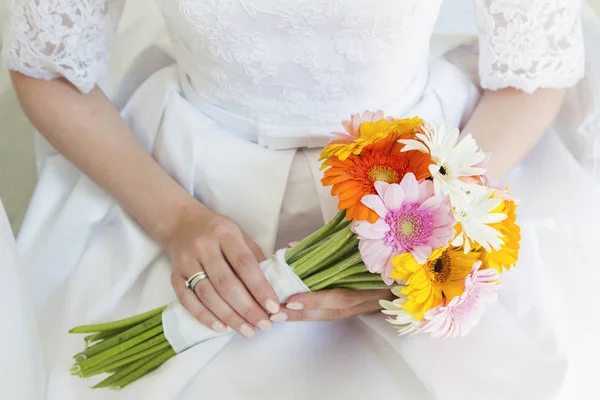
365,130
508,254
441,277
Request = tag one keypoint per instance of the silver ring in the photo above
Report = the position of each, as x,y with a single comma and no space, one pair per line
194,279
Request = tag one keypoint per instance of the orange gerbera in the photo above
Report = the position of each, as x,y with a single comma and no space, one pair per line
354,177
368,132
508,254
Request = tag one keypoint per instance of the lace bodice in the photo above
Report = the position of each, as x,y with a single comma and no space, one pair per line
298,59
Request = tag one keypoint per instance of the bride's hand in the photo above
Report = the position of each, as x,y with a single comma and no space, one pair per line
236,292
332,304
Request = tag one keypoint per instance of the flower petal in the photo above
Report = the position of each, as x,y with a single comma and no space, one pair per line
410,185
422,253
376,204
411,145
375,254
366,230
393,197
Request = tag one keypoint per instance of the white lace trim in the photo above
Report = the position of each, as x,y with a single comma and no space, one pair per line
530,44
239,50
47,39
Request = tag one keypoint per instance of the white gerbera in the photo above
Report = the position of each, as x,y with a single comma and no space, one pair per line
473,211
402,321
452,159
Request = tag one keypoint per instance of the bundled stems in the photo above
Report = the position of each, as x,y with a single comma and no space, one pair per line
332,280
124,361
121,324
315,237
121,373
314,261
361,277
130,348
333,271
117,348
123,337
361,286
155,362
102,335
132,354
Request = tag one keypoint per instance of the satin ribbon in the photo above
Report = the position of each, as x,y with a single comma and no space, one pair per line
183,331
280,137
271,136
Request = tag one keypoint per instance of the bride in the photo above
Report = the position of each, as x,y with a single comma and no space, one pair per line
206,159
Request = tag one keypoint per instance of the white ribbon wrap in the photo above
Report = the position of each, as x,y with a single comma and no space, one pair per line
183,331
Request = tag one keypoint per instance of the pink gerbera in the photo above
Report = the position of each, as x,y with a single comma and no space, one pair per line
412,219
462,313
352,127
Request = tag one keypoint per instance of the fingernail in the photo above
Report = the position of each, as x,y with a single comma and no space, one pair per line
246,330
219,327
272,306
279,317
265,325
295,306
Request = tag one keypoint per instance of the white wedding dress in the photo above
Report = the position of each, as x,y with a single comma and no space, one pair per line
235,108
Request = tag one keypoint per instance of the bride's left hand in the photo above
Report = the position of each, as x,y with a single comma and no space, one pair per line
332,304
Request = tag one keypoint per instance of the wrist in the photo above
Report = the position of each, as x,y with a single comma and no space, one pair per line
181,212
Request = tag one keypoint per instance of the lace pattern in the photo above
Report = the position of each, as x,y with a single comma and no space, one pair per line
529,44
47,39
299,60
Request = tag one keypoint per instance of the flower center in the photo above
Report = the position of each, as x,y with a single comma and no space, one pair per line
407,227
410,227
383,173
440,268
445,171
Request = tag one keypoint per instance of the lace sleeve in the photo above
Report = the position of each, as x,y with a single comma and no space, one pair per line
47,39
530,44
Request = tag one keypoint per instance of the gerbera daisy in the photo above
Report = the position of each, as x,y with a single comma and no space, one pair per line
363,130
452,160
459,315
412,220
428,285
402,320
508,253
477,213
355,177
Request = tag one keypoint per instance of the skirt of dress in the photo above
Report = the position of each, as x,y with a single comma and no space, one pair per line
86,260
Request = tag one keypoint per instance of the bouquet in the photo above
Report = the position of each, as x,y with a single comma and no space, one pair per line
417,216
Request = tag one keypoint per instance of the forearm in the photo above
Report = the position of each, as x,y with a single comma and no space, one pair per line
89,132
508,123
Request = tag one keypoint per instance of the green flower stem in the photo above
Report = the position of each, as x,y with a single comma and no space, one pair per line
332,271
91,338
315,237
125,361
329,247
157,361
102,335
120,324
124,371
340,226
129,352
362,286
122,337
357,269
121,346
303,253
364,277
350,247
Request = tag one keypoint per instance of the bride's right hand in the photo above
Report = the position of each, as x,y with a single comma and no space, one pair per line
236,292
